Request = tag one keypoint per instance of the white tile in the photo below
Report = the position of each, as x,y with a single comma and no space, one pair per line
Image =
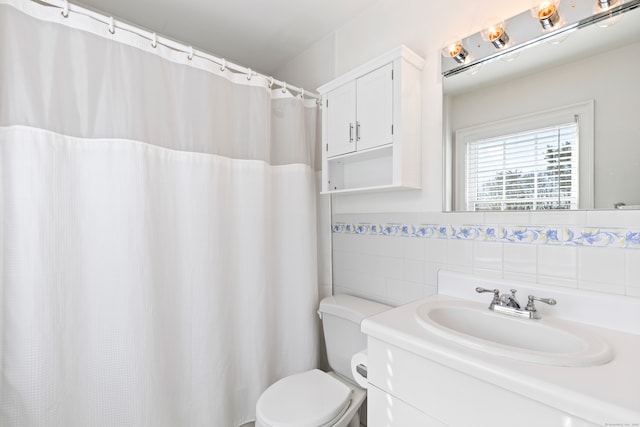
633,271
487,256
343,278
341,261
602,265
373,245
413,248
488,274
430,290
557,282
344,242
520,277
511,218
436,250
413,271
460,253
560,217
403,291
460,268
558,261
394,268
369,264
605,287
461,218
434,218
364,244
367,285
431,273
614,218
393,246
520,258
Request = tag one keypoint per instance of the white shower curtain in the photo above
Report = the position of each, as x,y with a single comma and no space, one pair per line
157,231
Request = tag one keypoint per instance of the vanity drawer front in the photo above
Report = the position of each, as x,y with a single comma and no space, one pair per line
454,398
384,410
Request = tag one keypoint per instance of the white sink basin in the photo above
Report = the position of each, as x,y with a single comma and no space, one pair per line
548,341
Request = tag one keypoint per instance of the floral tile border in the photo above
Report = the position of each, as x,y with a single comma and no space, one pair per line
545,235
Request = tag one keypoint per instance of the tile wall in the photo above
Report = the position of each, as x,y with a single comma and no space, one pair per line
394,258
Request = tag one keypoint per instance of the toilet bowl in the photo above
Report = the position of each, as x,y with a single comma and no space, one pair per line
310,399
323,399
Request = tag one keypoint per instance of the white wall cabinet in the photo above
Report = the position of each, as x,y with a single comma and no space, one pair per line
360,113
371,125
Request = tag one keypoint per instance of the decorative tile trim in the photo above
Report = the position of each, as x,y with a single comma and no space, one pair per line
527,234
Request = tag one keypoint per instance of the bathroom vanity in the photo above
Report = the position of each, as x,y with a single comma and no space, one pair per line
448,360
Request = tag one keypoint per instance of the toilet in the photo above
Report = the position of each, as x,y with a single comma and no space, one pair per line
324,399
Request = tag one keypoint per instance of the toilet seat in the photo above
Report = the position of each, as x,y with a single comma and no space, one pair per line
308,399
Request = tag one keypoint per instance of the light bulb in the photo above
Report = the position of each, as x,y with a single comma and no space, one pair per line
494,32
546,12
456,51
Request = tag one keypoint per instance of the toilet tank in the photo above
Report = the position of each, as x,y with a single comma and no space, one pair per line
341,317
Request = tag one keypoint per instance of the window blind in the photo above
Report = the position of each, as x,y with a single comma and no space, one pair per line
532,170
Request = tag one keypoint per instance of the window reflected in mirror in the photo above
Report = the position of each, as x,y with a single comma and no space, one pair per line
532,162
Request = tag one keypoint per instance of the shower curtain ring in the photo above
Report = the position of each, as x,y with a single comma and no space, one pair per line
271,81
284,87
224,65
65,9
154,40
112,25
190,56
301,93
250,75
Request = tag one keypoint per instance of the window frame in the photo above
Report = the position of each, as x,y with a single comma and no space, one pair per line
583,111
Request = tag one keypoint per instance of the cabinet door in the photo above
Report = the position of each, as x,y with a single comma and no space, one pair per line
374,108
384,410
341,120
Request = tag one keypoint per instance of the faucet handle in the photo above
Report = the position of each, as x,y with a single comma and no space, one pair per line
496,293
549,301
481,290
531,308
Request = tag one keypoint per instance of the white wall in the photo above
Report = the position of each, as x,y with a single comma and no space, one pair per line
425,27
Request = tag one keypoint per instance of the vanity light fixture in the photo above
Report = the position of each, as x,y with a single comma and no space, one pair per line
495,33
546,12
603,6
456,51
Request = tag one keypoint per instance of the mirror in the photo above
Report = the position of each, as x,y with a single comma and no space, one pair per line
591,64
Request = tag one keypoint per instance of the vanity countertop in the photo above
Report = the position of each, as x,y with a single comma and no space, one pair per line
600,394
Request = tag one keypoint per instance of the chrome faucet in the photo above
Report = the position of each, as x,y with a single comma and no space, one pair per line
508,304
510,300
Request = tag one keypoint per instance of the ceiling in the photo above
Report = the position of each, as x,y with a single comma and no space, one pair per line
259,34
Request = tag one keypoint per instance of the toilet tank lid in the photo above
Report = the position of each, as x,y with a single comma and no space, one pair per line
351,308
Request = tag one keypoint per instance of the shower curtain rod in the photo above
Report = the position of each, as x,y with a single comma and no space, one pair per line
156,40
